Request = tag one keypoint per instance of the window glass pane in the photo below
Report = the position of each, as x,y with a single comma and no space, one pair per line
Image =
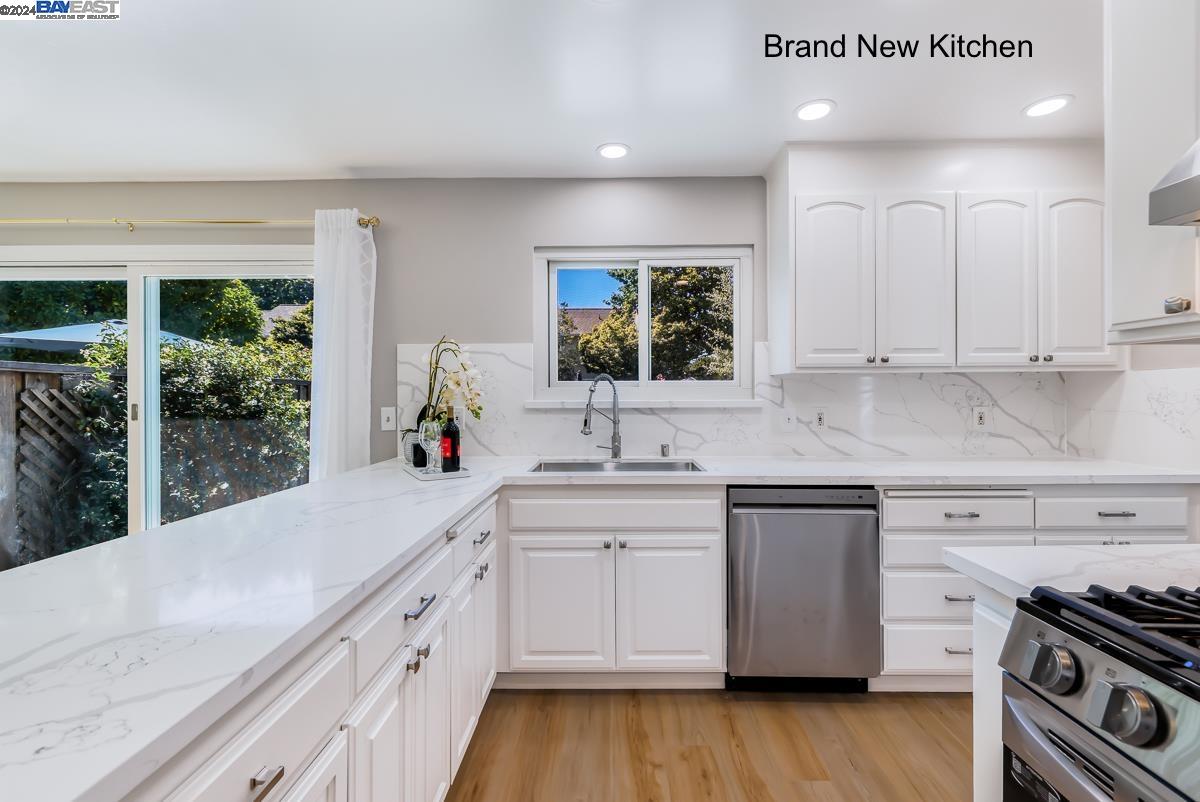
63,436
691,323
597,323
234,373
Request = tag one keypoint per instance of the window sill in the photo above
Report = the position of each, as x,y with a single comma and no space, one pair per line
649,403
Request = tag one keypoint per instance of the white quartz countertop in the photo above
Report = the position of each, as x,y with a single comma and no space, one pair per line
1014,571
114,657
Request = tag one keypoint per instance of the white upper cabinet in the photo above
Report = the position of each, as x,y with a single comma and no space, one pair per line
1071,297
997,279
914,279
835,280
1150,102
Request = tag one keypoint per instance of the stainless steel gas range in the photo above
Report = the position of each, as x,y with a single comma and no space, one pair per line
1102,696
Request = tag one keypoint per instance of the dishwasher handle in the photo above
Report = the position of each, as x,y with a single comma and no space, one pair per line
762,509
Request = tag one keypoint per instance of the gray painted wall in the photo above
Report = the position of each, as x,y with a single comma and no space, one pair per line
472,239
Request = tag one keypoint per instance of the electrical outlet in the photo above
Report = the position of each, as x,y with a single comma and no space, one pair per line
820,419
387,419
981,417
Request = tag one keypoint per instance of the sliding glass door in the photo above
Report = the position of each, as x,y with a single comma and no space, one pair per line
140,394
63,436
227,391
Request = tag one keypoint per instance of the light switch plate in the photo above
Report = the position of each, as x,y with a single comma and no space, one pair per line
387,419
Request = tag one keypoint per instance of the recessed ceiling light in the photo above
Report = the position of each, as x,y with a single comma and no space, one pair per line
1047,105
613,150
815,109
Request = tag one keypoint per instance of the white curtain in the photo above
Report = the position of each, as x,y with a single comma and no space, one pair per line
343,308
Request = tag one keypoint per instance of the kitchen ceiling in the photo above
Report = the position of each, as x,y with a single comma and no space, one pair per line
227,89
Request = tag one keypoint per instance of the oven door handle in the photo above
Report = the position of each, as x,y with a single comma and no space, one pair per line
1033,745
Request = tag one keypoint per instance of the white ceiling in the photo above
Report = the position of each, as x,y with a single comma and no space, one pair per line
228,89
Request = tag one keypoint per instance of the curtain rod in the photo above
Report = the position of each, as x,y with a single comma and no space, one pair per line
131,223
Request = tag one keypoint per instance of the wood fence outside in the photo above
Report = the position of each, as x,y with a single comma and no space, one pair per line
41,445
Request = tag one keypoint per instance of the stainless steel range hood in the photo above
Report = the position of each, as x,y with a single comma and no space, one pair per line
1175,201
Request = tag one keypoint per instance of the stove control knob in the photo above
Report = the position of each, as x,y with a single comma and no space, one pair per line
1051,667
1126,712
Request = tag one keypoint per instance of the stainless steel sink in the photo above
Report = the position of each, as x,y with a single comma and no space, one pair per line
616,466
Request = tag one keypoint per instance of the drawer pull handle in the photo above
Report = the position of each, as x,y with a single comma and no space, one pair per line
953,515
1121,514
952,650
266,779
483,536
426,603
424,652
950,597
414,666
482,572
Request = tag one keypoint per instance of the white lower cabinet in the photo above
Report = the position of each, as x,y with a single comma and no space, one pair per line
377,730
669,602
561,602
428,712
472,651
327,779
624,601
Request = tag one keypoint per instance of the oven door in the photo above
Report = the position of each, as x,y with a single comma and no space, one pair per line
1049,757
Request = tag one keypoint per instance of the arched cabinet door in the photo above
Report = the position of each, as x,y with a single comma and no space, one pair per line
1071,292
997,279
835,281
915,279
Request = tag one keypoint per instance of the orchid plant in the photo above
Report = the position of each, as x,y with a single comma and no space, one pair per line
452,376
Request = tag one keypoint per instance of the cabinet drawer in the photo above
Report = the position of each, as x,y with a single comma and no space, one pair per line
1112,513
958,512
643,514
471,536
286,733
929,649
915,551
384,629
945,596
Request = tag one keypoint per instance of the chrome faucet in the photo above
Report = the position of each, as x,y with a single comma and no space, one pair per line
615,417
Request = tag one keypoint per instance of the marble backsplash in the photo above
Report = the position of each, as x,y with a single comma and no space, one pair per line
1146,416
898,414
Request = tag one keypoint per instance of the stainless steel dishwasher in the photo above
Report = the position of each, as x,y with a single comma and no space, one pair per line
804,585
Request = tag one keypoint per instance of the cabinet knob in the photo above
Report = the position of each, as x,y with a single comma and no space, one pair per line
608,544
1176,304
623,544
1048,358
414,666
1034,357
885,358
871,360
424,652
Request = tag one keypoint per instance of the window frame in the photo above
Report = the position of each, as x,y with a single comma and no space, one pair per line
138,265
550,391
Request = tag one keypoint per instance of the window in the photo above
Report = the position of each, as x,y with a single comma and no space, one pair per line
156,384
667,326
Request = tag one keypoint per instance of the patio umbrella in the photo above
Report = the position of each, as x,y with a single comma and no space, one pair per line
78,336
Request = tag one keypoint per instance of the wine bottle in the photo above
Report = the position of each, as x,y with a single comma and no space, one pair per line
451,446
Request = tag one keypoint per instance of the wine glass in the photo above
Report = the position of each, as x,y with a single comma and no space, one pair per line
430,435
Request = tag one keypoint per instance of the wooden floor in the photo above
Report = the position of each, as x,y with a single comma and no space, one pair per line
690,746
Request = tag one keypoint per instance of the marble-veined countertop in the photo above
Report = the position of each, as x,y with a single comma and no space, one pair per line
1014,572
114,657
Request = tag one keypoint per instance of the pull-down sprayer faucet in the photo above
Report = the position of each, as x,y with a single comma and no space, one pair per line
615,417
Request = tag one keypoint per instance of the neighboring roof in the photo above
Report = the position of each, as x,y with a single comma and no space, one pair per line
77,337
273,316
584,319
